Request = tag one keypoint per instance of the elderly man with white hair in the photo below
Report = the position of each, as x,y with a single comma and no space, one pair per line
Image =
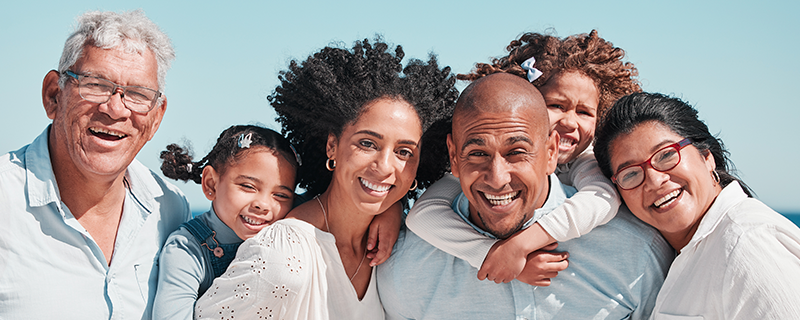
83,221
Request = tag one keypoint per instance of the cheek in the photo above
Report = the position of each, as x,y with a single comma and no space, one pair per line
586,128
554,115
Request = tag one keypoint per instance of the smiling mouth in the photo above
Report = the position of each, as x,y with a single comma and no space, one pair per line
375,187
501,200
567,142
253,221
667,199
107,134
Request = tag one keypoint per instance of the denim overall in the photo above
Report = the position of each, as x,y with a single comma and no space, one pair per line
215,266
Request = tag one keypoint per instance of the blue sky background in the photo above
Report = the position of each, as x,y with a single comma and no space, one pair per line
736,61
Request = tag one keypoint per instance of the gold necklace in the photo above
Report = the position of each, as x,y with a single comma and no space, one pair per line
325,215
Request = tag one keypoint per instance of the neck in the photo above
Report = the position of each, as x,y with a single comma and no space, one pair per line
678,240
84,195
347,225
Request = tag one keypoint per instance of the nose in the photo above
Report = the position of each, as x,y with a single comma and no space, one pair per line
115,107
264,208
569,120
498,175
653,178
383,162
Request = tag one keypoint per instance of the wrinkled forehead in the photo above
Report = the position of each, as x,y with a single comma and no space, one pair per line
518,122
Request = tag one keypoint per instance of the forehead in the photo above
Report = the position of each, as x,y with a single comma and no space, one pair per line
388,115
502,125
572,85
639,144
117,64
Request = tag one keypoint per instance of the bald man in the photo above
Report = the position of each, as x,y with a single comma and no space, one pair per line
503,155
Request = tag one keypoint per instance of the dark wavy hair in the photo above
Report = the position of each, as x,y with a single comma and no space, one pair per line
632,110
329,90
176,161
587,54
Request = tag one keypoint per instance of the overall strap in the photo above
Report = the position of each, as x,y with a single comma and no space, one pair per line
215,265
198,229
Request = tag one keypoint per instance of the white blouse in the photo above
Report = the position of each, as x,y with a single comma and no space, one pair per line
289,270
743,262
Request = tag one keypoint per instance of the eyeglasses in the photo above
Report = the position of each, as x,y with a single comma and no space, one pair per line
665,159
98,90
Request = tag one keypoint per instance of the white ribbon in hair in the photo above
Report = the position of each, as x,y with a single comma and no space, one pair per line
533,73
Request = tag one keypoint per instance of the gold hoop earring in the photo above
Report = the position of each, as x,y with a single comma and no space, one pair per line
715,176
414,187
330,166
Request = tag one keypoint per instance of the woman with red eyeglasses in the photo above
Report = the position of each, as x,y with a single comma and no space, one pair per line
737,258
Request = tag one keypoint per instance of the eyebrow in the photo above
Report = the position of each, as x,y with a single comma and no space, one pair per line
380,136
516,139
655,148
475,141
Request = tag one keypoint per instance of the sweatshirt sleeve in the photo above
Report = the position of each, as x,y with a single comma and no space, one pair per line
595,203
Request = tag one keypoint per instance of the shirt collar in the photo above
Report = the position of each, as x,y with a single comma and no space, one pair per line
40,183
557,194
730,196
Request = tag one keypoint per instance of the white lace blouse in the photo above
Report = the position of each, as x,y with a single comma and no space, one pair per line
289,270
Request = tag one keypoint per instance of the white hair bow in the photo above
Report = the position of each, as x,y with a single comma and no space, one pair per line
533,73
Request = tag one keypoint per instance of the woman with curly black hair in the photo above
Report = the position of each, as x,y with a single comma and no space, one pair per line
579,76
364,124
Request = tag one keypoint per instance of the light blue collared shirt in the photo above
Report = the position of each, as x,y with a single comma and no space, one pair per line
51,267
615,272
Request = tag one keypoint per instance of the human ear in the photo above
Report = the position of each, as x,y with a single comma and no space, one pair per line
452,152
158,114
50,93
209,181
551,144
330,147
711,164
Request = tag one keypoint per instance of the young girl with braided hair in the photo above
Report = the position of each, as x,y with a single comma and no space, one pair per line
249,176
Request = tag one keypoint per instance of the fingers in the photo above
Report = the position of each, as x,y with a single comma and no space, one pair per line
372,239
382,253
550,247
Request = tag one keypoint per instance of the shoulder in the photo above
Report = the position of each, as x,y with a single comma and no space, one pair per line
290,239
412,255
14,160
626,235
275,268
750,225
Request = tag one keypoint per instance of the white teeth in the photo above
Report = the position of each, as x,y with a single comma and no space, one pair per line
566,142
104,131
253,222
374,187
667,198
501,200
